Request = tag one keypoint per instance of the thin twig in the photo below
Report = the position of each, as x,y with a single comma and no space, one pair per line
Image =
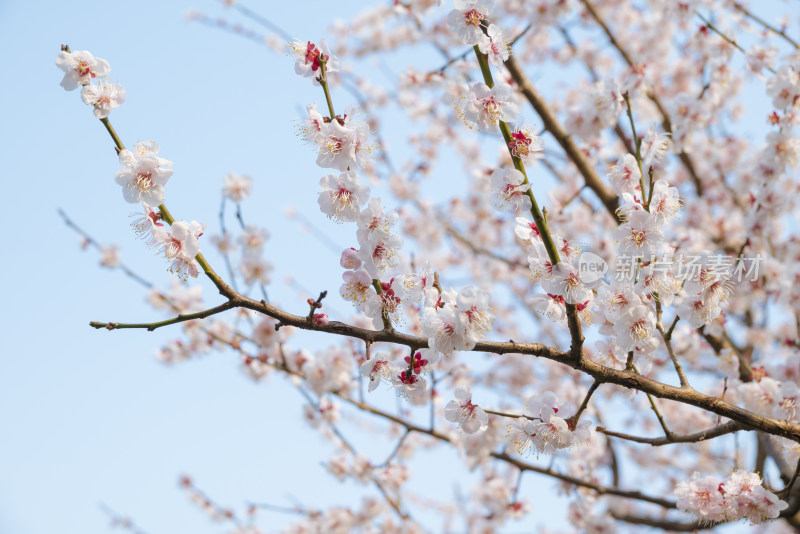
179,319
765,24
719,430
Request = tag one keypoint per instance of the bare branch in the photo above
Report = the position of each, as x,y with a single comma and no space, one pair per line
703,435
179,319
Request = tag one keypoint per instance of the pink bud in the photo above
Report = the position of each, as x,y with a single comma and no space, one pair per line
350,259
321,319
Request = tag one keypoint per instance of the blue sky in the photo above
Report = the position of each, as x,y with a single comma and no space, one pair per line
88,416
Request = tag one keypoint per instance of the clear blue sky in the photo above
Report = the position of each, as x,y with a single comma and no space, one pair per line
90,416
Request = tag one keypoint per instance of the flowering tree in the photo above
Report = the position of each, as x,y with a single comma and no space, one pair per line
640,312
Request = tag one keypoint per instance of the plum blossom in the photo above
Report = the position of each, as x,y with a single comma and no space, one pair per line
762,395
325,412
309,59
237,187
527,232
253,239
588,119
546,436
655,279
784,87
543,405
510,190
386,303
143,174
608,101
707,276
665,203
625,175
180,245
341,196
343,145
495,494
350,259
654,147
378,369
565,281
422,361
337,466
373,219
103,97
544,432
457,321
635,330
420,285
740,496
616,299
255,270
526,144
760,57
357,287
701,497
143,224
80,67
411,386
783,149
495,45
474,317
639,237
439,325
465,20
699,311
550,306
111,256
470,417
486,107
381,253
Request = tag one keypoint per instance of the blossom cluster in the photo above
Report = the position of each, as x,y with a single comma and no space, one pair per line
81,68
143,174
544,431
739,496
452,321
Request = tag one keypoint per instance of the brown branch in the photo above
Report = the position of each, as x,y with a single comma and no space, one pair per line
660,418
664,523
626,378
719,430
667,336
788,489
179,319
572,421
